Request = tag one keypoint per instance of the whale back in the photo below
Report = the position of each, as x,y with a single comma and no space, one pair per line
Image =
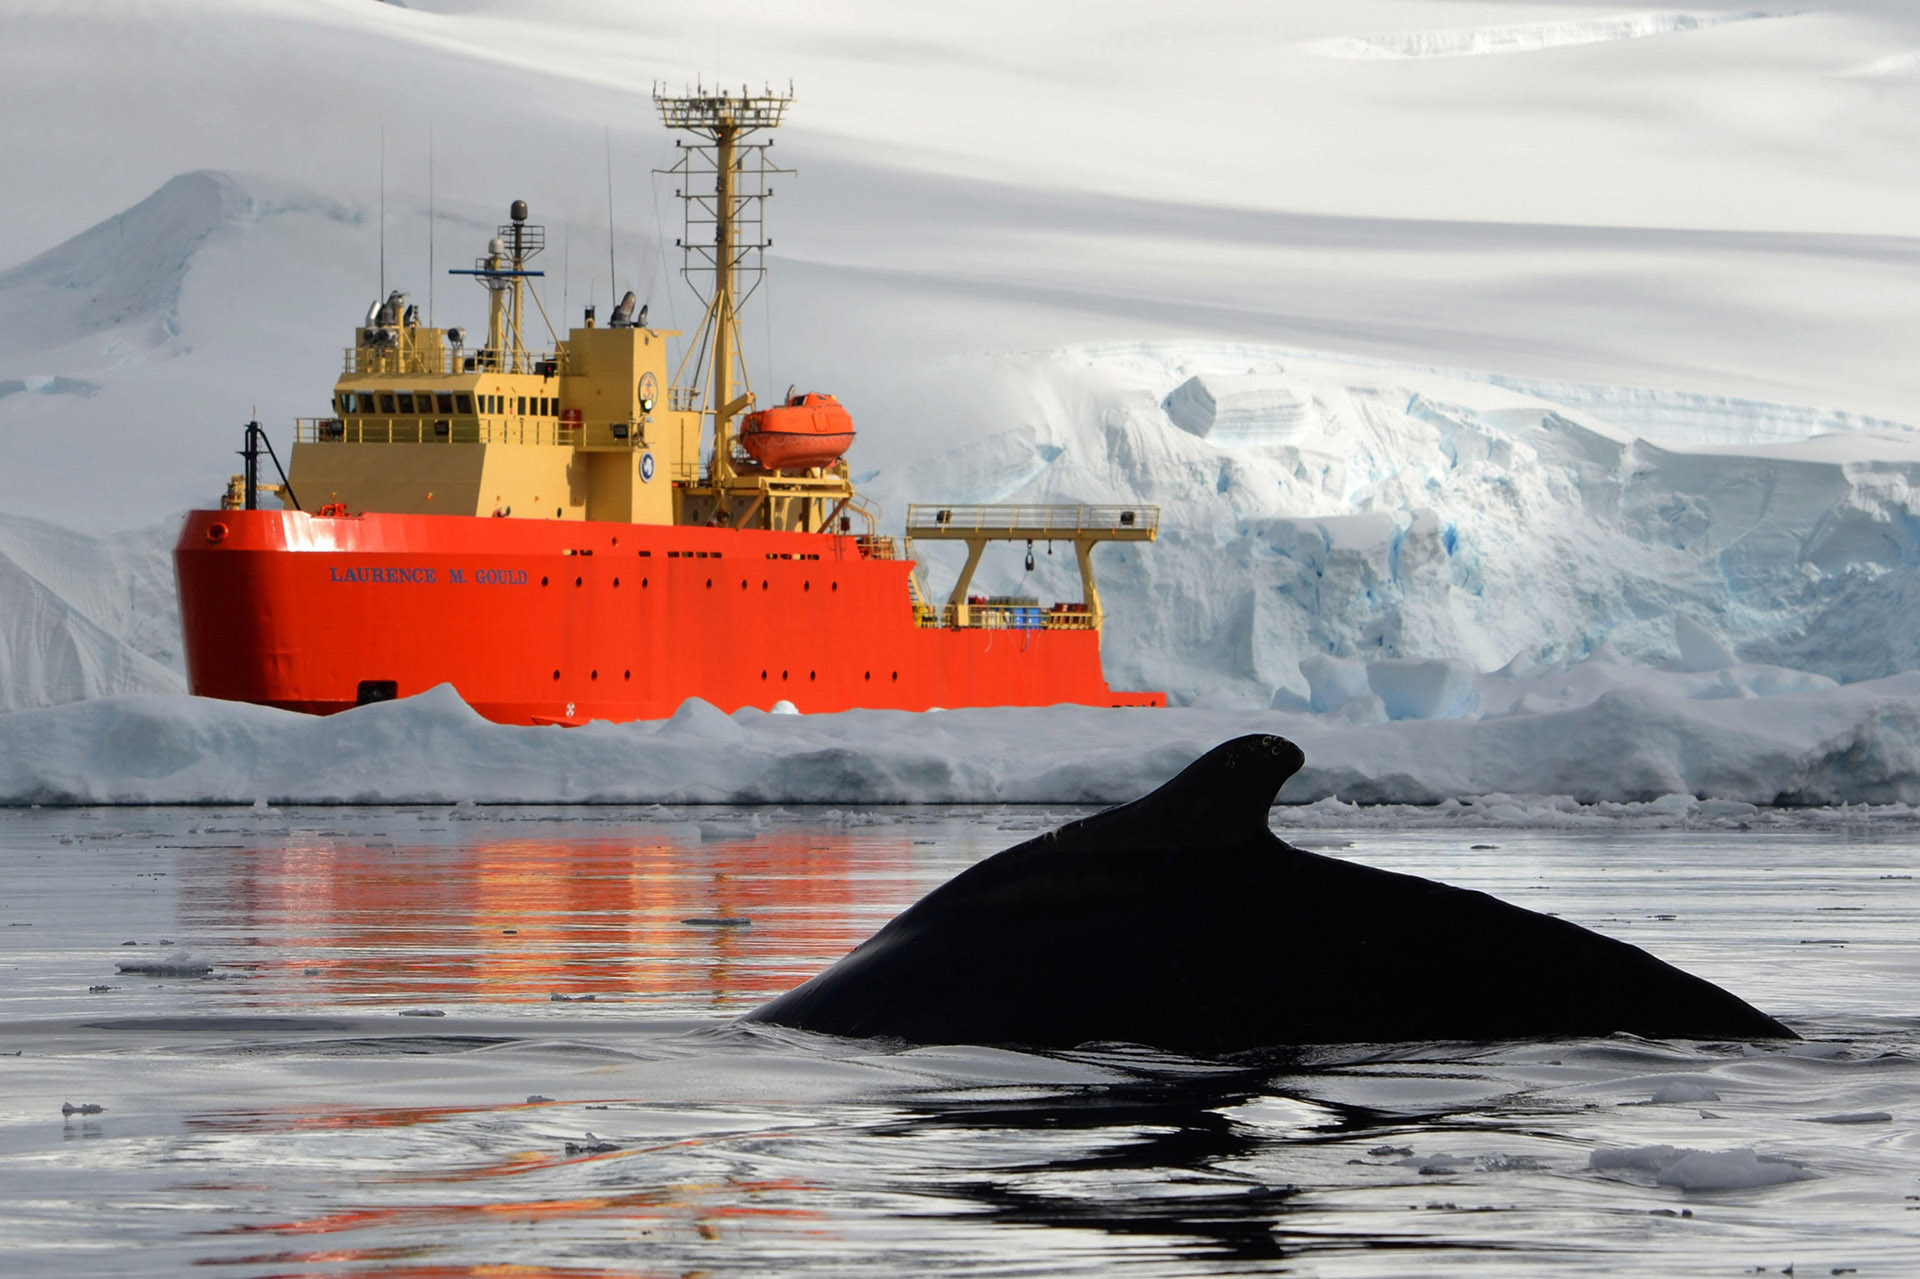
1180,921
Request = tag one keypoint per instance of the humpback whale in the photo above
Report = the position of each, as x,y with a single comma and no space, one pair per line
1180,921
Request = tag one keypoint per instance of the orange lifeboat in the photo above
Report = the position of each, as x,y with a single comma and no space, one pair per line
809,430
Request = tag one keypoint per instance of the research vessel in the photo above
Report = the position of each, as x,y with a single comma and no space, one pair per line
578,532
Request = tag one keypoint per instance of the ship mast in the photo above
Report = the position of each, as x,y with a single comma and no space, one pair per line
736,164
504,273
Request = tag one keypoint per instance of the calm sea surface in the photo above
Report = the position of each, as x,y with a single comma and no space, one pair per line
480,1041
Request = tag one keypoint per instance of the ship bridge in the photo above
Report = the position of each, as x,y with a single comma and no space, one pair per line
977,525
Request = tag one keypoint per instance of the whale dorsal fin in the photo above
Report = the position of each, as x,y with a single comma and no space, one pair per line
1222,798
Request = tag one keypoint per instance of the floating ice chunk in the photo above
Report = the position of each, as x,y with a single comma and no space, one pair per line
1683,1093
784,707
1739,1169
1285,699
1700,648
1634,1158
1412,688
1855,1117
178,964
1332,681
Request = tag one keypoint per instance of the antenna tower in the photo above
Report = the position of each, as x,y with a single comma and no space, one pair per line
503,271
723,193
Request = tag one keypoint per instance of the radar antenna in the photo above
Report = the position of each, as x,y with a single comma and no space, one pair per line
504,273
723,192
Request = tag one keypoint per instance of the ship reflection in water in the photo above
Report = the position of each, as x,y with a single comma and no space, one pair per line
698,915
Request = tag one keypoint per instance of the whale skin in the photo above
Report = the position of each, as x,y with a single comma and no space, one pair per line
1180,921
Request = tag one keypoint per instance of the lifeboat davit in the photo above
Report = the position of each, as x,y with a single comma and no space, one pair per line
811,429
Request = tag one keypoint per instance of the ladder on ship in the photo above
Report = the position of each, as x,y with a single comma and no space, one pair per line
1084,526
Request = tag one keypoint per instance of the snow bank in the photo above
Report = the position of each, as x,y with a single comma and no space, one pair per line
1642,741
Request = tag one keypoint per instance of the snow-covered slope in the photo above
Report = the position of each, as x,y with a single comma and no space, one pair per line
1691,200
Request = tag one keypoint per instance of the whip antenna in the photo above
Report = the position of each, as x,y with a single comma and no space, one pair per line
383,210
613,275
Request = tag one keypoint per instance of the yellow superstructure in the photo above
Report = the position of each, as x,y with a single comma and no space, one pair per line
601,427
593,429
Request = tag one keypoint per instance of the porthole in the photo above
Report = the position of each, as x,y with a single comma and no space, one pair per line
643,583
836,586
626,674
594,675
783,674
763,674
812,675
743,583
868,675
763,586
616,583
806,586
556,674
896,676
543,581
577,581
709,583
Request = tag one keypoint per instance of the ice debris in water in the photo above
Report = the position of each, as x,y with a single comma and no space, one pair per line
422,1012
1855,1117
1683,1093
591,1146
1739,1169
84,1108
178,964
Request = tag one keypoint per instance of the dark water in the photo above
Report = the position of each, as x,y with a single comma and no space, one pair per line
285,1114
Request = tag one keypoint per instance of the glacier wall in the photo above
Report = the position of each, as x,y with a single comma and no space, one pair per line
1314,506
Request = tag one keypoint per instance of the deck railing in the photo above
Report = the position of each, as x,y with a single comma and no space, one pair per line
1003,617
431,430
1034,521
445,361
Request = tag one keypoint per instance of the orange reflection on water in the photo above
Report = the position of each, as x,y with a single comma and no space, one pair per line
680,1202
432,1270
523,919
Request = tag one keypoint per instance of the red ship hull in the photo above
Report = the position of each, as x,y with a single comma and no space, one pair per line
541,622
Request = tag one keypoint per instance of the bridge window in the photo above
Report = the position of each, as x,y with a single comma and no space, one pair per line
443,402
386,404
363,401
465,402
403,402
523,406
